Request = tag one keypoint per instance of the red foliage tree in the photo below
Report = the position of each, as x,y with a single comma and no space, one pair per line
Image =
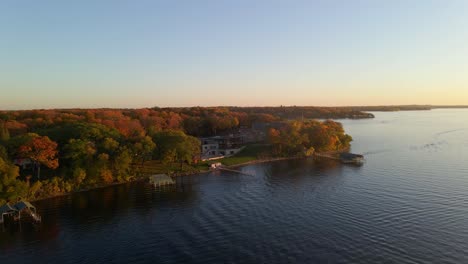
41,150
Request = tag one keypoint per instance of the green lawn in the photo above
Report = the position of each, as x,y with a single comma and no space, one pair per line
157,167
249,153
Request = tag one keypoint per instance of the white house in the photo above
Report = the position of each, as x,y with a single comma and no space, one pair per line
220,147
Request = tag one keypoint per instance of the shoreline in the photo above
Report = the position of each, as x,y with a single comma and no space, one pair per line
259,161
142,178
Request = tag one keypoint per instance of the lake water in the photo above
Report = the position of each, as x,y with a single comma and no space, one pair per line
407,204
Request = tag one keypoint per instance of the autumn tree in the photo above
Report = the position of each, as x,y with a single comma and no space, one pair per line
100,171
10,187
4,132
79,175
109,145
307,137
274,138
193,126
122,164
327,135
41,150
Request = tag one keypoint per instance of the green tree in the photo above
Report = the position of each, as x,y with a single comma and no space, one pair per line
10,187
175,146
143,149
110,145
122,164
78,152
103,170
79,175
4,133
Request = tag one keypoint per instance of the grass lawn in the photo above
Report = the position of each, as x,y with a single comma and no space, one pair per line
157,167
249,153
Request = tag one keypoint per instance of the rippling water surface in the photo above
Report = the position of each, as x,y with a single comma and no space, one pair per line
407,204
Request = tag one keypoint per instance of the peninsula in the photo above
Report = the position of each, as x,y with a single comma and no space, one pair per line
45,153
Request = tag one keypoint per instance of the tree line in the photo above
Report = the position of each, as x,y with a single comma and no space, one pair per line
305,138
78,155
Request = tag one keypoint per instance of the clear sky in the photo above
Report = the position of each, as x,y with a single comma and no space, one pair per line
137,53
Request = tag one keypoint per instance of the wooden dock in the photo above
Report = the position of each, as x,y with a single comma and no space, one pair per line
343,157
235,171
161,180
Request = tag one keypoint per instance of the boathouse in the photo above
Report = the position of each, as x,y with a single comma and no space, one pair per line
21,211
27,211
25,207
7,212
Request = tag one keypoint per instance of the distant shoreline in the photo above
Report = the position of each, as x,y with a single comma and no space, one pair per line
360,107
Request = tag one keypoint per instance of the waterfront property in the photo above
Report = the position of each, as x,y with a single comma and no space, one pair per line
221,146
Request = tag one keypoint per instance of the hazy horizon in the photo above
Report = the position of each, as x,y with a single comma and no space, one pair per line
113,54
246,106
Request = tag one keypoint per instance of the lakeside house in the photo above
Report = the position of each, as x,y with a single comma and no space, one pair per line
221,146
218,147
24,163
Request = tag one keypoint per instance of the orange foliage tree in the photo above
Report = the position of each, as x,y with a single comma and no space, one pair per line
41,150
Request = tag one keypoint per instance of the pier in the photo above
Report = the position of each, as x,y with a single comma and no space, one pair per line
235,171
343,157
219,166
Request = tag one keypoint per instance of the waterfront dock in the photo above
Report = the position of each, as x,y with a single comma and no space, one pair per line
219,166
343,157
235,171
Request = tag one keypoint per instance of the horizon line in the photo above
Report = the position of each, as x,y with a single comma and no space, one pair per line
234,106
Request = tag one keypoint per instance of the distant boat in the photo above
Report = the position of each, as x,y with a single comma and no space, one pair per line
351,158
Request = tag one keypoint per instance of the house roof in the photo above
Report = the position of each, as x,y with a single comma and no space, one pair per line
23,205
7,208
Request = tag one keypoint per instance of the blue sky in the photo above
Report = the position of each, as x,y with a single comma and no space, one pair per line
60,54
